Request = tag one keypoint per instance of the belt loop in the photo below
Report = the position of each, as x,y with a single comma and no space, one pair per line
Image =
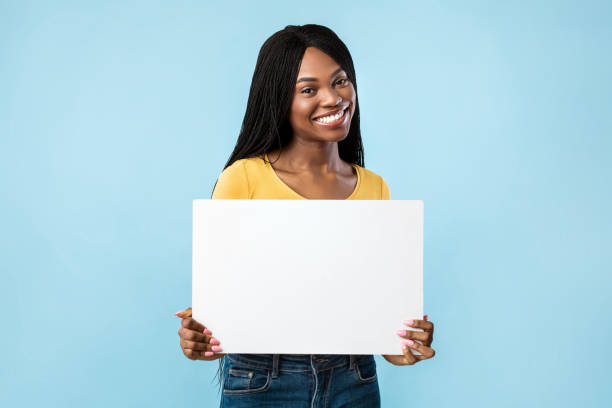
275,358
352,359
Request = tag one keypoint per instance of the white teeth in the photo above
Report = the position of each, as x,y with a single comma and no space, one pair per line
331,118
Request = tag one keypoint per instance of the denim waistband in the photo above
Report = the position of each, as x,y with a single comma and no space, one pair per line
297,362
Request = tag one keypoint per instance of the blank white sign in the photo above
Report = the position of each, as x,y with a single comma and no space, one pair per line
307,276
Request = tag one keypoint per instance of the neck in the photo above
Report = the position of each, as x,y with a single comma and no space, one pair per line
302,156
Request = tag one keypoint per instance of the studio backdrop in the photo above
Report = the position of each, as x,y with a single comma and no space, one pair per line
115,115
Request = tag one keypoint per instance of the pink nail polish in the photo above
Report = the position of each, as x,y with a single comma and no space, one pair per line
178,313
426,317
206,331
214,341
216,348
409,342
408,322
401,333
208,354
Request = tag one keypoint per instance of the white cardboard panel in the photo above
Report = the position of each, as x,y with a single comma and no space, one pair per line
307,276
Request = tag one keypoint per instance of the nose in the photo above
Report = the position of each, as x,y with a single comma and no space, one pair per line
330,97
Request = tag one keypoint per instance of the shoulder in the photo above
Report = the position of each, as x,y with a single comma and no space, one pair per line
235,181
374,182
244,167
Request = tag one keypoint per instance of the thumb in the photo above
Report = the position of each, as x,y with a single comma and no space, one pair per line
184,313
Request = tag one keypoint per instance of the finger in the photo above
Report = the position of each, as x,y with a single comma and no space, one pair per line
425,337
184,313
195,346
426,352
409,358
192,336
188,334
209,356
419,357
193,324
199,346
196,354
416,335
420,324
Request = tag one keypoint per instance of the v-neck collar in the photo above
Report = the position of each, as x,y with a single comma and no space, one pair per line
286,186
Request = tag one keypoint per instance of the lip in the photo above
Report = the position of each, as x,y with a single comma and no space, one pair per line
338,122
332,112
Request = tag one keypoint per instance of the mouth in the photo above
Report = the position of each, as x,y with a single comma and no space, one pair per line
338,119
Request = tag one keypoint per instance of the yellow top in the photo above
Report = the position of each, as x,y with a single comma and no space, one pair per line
254,178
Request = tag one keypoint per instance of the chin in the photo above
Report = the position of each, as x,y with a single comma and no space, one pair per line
330,137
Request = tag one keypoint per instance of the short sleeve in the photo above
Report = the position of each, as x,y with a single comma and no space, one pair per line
232,183
385,193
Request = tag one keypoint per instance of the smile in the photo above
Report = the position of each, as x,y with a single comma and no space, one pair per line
333,120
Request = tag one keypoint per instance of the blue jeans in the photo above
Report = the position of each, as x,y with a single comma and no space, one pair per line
299,381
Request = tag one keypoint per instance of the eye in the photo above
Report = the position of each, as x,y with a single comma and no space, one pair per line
307,89
342,79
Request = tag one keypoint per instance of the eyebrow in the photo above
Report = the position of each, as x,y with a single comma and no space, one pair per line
307,79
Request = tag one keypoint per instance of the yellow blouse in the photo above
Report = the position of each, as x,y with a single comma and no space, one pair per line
254,178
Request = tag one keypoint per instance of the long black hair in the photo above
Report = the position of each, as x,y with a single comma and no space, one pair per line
266,126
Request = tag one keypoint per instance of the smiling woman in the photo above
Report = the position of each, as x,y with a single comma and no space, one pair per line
320,84
300,139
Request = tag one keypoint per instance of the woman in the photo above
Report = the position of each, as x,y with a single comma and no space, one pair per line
300,139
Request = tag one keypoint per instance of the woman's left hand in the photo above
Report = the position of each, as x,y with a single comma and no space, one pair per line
426,337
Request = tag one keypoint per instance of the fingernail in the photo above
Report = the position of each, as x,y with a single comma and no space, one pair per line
409,342
206,331
404,347
401,333
208,353
216,348
178,313
426,317
214,341
408,322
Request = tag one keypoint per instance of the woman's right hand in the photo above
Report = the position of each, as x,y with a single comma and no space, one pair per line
196,340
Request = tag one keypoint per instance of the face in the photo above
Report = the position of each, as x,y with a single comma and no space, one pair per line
322,88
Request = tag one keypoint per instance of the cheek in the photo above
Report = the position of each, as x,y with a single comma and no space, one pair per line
301,113
348,94
351,94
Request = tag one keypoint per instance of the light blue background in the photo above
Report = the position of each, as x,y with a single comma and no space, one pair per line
115,115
